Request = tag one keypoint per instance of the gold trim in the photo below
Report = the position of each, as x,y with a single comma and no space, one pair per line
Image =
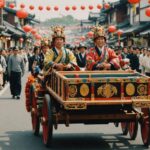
130,89
142,89
107,90
72,90
84,90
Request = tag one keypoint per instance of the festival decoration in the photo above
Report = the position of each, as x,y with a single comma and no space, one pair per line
27,28
67,8
22,5
112,28
133,1
90,34
74,8
11,5
90,7
99,6
48,8
22,14
2,3
106,6
56,8
40,8
21,40
31,7
147,11
82,7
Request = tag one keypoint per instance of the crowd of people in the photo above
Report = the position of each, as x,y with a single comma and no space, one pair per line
59,56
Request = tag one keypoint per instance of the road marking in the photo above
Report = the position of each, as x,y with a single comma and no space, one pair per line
4,89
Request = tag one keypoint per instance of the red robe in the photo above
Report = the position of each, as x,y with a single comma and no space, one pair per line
107,55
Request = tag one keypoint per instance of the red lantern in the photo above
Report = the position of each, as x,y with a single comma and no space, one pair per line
112,29
22,14
99,6
133,1
21,40
82,7
48,8
119,32
56,8
37,36
90,7
2,3
27,28
106,6
90,34
11,5
67,8
33,31
147,12
31,7
74,8
40,8
22,5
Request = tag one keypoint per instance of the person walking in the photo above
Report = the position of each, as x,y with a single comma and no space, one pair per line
16,68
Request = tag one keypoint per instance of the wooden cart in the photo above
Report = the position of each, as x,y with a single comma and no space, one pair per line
97,97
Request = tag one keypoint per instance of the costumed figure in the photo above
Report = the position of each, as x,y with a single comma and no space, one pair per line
58,57
101,57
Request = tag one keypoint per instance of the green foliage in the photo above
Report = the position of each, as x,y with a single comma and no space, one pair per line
64,21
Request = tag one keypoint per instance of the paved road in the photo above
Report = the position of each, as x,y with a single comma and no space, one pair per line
16,134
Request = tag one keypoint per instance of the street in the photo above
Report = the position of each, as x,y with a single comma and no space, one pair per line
16,131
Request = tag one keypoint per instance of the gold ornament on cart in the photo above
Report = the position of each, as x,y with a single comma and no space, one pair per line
84,90
130,89
72,90
142,89
107,90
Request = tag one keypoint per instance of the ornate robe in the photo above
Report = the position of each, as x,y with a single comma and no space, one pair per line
65,57
106,55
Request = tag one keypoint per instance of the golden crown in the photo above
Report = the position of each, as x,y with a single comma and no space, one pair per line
98,31
58,31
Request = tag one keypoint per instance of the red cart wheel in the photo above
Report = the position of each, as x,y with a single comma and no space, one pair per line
145,126
34,113
47,121
124,127
133,128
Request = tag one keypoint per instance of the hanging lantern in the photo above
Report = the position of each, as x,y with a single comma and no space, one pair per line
111,28
67,8
74,8
133,1
147,12
90,34
56,8
38,37
99,6
31,7
27,28
90,7
22,5
22,14
11,5
33,31
2,3
21,40
119,32
48,8
82,7
40,8
106,6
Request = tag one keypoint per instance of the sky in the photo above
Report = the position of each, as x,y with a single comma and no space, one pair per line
44,14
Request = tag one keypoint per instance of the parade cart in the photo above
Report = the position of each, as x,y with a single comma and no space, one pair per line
90,97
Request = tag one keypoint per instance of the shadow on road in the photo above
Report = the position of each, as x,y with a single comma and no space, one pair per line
20,140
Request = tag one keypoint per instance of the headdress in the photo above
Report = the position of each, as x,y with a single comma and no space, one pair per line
98,32
58,31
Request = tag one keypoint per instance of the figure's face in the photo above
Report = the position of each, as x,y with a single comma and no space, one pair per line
59,42
82,49
100,41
